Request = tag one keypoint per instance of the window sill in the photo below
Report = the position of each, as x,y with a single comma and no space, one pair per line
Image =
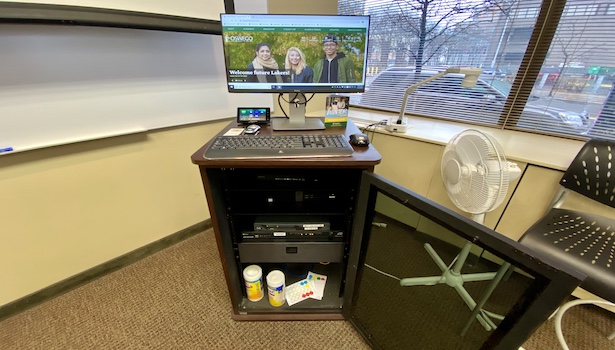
547,151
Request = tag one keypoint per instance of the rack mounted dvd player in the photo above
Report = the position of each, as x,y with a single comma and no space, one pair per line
292,229
293,223
293,235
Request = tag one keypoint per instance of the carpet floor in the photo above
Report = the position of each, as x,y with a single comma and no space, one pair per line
177,299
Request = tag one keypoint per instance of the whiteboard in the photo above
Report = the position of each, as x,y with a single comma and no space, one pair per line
205,9
68,84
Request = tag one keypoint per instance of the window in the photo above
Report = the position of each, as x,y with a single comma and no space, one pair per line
548,65
527,13
580,10
520,35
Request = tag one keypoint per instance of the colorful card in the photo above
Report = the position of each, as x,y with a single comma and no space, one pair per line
318,283
299,291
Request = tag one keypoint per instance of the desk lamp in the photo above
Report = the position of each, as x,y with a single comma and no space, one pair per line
469,80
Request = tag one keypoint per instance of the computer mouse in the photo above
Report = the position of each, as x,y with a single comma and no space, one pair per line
359,140
252,129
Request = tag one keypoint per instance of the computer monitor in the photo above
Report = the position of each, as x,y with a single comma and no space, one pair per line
295,54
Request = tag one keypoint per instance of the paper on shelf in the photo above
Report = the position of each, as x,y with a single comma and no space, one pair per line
318,283
299,291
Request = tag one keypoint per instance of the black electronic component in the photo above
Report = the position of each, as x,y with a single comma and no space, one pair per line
359,140
277,223
292,235
253,115
252,129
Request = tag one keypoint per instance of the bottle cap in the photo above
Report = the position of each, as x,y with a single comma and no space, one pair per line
275,278
252,273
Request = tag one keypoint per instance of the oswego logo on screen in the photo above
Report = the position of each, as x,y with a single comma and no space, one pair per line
238,38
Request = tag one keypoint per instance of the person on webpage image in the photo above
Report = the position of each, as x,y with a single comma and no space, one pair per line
300,72
263,66
334,67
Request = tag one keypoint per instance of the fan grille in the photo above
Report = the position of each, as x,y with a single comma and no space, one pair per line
475,172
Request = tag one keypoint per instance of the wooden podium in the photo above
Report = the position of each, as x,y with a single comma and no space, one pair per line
241,192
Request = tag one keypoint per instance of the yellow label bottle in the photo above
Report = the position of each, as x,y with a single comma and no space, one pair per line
275,287
253,276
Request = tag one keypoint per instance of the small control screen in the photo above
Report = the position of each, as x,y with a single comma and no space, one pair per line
253,115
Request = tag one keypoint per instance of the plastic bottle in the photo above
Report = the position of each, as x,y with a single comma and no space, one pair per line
275,287
253,276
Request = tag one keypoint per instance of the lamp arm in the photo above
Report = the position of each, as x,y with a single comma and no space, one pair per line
412,87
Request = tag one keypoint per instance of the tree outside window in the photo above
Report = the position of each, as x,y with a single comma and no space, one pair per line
567,95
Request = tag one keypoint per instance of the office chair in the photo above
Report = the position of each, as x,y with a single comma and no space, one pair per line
581,239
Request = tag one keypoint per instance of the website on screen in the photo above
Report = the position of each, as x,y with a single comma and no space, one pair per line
295,52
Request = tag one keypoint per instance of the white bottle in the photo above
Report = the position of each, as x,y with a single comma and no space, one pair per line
275,288
253,276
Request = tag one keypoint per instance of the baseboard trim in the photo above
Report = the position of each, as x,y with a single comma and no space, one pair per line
95,272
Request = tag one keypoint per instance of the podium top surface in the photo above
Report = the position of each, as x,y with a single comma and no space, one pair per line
362,157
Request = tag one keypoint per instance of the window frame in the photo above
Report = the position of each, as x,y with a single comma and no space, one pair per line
548,16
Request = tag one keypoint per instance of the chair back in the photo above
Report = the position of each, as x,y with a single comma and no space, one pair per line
592,172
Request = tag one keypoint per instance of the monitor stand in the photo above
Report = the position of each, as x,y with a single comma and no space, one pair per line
296,117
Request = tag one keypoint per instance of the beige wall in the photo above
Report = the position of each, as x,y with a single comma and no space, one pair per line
530,202
313,7
69,208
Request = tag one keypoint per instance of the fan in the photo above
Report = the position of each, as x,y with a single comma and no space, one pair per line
476,176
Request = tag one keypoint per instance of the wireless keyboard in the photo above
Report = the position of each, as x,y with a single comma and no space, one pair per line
278,146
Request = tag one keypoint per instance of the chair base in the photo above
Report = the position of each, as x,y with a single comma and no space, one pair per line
560,313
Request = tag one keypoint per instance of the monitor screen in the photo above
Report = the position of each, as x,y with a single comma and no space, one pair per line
295,53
